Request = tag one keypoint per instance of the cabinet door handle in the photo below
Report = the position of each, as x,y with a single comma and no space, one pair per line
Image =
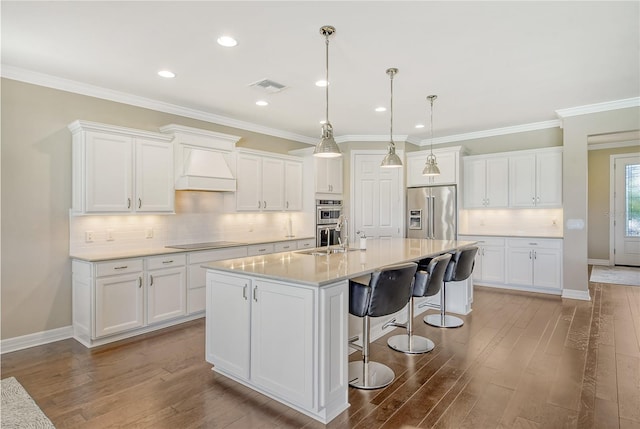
537,200
139,203
128,203
286,247
259,204
255,293
265,204
170,261
530,254
244,292
287,204
483,251
139,282
150,280
535,255
121,267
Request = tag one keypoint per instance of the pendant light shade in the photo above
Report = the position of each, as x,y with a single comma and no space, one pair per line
391,160
431,165
327,147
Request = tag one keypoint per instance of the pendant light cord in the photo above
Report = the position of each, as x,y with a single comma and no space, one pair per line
391,106
327,77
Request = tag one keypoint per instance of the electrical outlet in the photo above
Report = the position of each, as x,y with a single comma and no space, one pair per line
88,236
148,233
110,235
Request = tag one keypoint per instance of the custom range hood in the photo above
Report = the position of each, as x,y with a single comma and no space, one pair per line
202,159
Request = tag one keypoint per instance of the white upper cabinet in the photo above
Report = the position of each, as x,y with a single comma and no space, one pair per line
448,161
486,182
328,175
120,170
268,183
535,178
293,185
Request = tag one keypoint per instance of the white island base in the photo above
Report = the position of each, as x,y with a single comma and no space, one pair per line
279,323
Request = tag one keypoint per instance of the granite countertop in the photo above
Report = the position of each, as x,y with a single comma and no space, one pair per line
298,267
136,253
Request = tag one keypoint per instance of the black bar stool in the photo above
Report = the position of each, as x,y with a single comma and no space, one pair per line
428,282
387,291
460,268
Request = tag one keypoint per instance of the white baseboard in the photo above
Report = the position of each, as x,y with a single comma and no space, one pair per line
576,294
36,339
604,262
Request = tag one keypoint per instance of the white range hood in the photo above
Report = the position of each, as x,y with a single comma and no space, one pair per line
202,159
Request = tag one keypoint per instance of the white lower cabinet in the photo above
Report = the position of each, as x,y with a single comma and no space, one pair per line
117,299
265,334
197,278
534,262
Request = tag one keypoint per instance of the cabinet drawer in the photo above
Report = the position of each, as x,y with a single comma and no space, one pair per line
483,241
166,261
286,246
546,243
121,266
307,244
260,249
217,255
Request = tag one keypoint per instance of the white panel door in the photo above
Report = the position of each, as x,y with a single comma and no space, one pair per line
474,191
497,182
119,305
520,266
249,182
154,176
377,200
627,211
493,264
272,184
166,294
522,180
549,179
547,268
293,186
228,323
109,163
282,341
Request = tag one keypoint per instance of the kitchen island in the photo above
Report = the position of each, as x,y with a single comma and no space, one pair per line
279,323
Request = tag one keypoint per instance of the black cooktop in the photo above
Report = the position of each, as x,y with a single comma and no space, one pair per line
208,245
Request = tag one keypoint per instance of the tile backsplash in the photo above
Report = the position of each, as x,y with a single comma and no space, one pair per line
537,222
199,217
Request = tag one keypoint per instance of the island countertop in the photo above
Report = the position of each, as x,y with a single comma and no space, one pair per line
302,268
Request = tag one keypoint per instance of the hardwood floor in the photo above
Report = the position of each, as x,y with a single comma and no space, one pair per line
521,360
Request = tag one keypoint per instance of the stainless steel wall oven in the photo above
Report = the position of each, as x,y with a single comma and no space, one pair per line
327,214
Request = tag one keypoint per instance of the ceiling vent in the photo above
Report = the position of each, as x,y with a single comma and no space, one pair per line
268,85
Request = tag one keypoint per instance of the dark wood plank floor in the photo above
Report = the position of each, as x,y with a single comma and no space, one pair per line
521,360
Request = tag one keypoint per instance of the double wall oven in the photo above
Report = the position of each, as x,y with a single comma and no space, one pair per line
327,214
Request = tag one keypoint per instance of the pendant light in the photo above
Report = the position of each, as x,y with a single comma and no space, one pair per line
391,160
327,148
431,166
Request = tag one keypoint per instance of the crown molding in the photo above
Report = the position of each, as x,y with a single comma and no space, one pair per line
369,138
613,145
555,123
41,79
598,107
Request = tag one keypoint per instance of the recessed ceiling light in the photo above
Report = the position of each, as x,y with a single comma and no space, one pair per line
227,41
261,103
321,83
166,73
420,126
381,109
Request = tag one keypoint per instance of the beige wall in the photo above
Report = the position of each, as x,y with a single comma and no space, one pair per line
599,196
576,131
36,194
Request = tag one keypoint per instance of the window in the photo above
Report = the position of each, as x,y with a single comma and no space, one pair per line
632,200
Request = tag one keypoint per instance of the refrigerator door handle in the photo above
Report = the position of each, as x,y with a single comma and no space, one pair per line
433,220
428,217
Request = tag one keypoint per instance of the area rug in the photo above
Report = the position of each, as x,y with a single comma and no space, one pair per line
18,410
616,275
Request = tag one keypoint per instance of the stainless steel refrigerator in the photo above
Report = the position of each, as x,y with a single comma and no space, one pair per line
432,212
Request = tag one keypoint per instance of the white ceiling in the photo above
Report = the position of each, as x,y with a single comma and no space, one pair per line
492,64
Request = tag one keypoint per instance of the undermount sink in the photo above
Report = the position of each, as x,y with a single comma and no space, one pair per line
324,251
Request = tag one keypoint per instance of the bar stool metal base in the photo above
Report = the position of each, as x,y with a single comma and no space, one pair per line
372,375
413,344
445,321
